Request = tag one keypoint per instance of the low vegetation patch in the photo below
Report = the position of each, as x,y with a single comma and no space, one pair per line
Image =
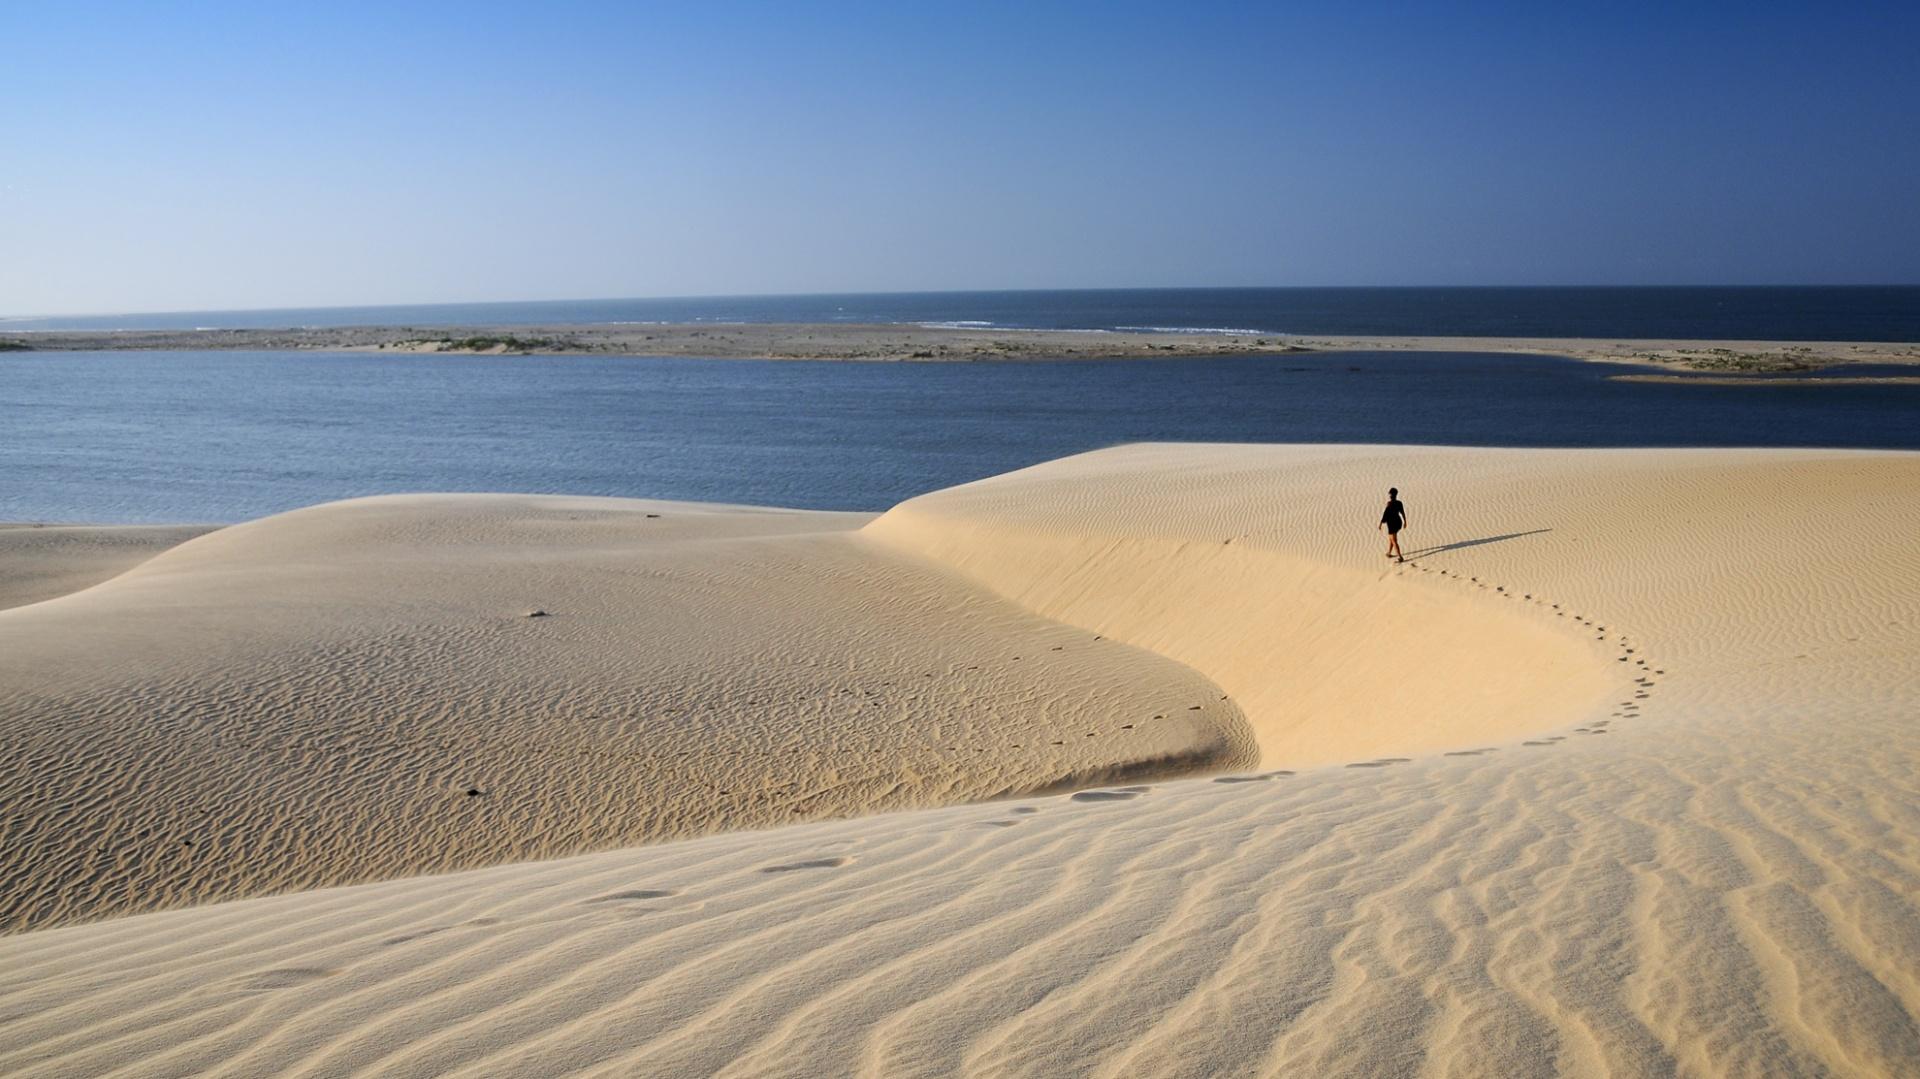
490,343
1726,359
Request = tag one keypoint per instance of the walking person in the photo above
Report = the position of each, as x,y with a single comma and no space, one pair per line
1393,519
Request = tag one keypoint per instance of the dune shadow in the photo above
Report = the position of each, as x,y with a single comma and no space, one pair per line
1444,547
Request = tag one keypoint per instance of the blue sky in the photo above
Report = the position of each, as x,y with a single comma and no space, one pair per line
191,156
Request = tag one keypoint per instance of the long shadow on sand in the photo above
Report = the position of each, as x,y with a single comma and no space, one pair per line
1444,547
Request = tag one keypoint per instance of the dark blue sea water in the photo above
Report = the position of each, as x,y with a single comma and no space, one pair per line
1890,313
222,436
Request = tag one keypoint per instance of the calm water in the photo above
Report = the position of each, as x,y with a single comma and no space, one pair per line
222,436
1790,314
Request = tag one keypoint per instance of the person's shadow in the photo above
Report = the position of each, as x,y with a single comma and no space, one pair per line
1444,547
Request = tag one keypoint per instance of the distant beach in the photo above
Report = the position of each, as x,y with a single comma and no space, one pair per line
934,344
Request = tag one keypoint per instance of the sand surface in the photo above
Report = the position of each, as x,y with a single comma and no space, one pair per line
1680,834
310,698
43,561
1739,360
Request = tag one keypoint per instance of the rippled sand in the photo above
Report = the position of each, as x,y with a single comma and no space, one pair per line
404,685
1618,777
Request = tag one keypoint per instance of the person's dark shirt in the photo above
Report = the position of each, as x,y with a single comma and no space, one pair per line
1396,514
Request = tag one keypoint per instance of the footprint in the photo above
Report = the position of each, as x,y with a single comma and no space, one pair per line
1024,810
997,823
1536,743
282,978
1468,752
1242,779
811,863
419,935
636,893
1380,762
1107,795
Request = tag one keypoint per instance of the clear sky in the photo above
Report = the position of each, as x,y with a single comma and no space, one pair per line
161,156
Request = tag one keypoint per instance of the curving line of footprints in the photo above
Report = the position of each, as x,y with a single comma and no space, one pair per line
1645,677
1645,674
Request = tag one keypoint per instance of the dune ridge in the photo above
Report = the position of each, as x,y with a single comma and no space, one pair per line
1230,567
1717,875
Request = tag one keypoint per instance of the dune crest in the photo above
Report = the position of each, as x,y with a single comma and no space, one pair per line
1254,568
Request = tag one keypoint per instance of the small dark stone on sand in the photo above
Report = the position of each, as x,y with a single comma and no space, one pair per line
474,792
536,613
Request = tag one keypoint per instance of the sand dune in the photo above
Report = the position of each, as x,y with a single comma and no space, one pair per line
1711,870
356,691
1261,570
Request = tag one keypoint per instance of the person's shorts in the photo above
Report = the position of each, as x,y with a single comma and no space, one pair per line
1393,530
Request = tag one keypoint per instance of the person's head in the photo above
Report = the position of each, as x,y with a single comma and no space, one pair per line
1393,492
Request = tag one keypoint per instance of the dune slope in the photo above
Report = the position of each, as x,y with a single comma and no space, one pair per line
1718,874
1261,570
357,691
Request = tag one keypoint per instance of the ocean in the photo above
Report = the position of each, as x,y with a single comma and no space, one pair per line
223,436
1880,313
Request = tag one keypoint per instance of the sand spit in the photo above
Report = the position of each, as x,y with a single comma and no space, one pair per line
1716,874
1744,360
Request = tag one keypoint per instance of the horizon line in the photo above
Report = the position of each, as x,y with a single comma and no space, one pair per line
43,316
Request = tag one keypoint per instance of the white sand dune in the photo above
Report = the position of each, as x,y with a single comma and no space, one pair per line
1712,867
308,699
